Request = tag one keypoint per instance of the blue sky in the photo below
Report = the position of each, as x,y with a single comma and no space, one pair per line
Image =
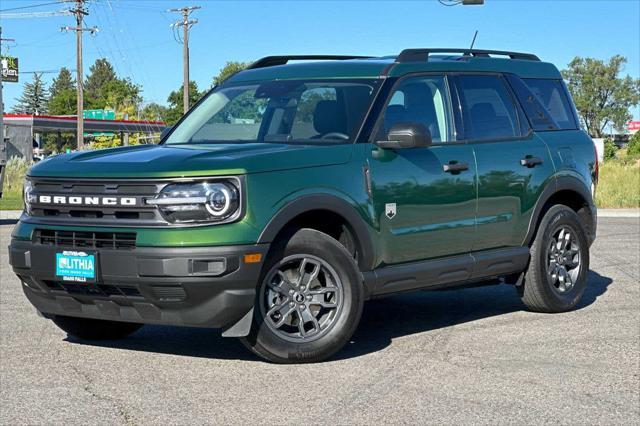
135,35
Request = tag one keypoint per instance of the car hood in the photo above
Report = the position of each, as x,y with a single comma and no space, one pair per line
155,161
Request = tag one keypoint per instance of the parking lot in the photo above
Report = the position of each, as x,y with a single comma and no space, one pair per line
458,356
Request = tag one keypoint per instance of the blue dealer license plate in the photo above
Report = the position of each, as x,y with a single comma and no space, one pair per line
78,266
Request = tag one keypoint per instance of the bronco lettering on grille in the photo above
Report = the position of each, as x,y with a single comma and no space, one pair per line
87,201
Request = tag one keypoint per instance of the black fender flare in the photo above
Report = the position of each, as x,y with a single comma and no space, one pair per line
561,183
361,231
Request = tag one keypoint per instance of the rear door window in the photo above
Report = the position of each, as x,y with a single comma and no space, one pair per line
552,95
488,108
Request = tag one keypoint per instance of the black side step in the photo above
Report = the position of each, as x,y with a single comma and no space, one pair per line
448,271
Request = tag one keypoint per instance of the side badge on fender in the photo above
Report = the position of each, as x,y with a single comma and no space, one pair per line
390,210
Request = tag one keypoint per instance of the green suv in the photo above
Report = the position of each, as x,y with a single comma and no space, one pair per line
294,192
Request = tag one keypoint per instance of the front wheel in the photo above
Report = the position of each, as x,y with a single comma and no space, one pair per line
309,301
559,266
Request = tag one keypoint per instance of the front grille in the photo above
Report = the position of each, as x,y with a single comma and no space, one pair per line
86,240
103,290
98,213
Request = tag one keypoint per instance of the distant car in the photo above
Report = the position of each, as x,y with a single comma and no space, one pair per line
292,193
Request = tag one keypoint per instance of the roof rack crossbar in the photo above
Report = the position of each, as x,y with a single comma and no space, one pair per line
422,55
270,61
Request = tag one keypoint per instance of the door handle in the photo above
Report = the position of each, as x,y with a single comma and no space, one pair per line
530,161
454,167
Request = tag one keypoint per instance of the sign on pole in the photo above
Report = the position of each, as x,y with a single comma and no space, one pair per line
9,69
633,126
99,114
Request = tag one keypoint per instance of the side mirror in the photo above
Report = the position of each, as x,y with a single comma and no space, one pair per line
406,135
165,132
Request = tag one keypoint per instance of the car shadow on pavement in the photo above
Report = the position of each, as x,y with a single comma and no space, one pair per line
382,321
403,315
8,221
184,341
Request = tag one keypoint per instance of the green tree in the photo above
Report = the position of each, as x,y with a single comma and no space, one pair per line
600,95
34,97
105,90
154,112
64,103
229,69
122,96
175,102
64,81
100,73
62,99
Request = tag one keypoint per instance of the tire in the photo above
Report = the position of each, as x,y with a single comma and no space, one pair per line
92,329
552,282
331,286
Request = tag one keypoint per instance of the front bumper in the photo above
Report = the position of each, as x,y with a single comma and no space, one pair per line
199,287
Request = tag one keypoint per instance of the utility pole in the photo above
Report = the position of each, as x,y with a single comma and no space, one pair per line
3,148
80,12
186,24
1,102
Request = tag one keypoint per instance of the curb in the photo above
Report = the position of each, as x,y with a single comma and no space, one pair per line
619,213
10,214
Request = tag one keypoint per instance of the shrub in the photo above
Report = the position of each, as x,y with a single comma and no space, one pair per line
610,149
102,142
633,148
15,173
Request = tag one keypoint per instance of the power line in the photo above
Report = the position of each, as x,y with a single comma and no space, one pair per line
186,24
132,61
43,71
34,14
31,6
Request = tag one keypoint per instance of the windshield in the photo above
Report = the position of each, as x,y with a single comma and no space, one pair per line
290,111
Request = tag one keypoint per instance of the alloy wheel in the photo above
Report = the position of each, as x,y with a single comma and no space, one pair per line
301,298
563,260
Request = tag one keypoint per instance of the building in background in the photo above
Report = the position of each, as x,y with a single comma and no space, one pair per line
22,132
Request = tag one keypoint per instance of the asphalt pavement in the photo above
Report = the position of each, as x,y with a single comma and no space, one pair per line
471,356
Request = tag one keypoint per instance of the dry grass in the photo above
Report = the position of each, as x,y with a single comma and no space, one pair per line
619,185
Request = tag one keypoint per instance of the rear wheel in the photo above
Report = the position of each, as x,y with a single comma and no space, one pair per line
557,274
93,329
309,301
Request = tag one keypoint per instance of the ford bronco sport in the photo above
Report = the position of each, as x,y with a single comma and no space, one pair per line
293,192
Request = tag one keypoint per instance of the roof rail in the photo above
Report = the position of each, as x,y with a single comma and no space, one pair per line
270,61
422,55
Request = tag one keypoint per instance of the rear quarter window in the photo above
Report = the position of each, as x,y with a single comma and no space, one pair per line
553,97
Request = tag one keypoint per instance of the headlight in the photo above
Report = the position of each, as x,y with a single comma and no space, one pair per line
28,196
198,202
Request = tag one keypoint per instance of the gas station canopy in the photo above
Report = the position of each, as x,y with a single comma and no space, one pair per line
48,123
